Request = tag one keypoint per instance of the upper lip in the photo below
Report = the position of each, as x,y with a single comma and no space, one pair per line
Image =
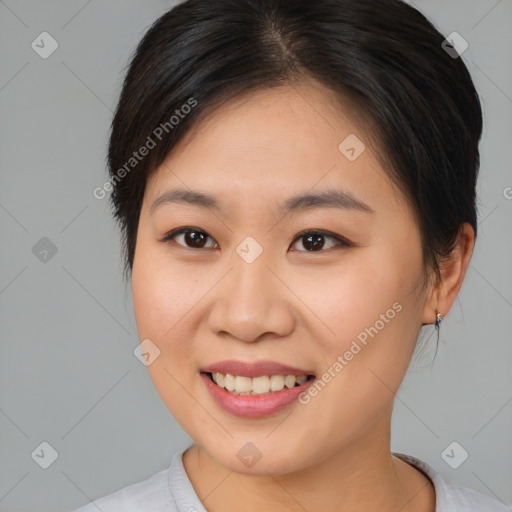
254,368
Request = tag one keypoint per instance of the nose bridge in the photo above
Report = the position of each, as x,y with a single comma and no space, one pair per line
250,273
251,301
252,278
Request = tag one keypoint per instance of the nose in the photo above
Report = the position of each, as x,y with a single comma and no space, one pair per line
251,302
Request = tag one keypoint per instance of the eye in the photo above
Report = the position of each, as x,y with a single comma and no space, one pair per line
314,241
190,237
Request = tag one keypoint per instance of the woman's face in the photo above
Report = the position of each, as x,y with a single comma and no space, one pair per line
246,292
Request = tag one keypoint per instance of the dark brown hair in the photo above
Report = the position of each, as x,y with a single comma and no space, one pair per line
386,58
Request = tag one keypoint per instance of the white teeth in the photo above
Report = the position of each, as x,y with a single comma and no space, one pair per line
263,385
300,380
289,381
260,385
276,382
229,382
219,379
243,384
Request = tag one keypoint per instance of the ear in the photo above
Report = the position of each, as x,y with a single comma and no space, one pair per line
453,269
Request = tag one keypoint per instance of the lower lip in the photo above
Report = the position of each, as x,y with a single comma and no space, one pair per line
253,406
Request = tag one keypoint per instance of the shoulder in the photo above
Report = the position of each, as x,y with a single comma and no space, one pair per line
464,499
153,494
453,497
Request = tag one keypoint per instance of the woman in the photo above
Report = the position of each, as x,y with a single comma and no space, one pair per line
295,185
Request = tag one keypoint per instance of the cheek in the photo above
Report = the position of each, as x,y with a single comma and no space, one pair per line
353,295
368,316
164,299
162,296
370,311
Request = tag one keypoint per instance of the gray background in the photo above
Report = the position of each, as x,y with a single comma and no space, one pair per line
68,375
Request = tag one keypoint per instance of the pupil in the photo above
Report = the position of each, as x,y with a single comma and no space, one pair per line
316,241
195,238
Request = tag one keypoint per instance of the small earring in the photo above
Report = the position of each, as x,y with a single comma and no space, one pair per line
439,317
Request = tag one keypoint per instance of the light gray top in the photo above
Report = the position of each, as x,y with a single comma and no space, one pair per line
170,490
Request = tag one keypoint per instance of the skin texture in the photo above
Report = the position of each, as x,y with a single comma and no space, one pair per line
293,306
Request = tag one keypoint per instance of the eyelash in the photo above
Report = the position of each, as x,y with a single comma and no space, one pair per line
342,243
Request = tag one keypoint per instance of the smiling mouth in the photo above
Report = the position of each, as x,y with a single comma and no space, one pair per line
262,385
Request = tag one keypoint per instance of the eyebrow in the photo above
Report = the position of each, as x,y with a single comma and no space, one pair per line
323,199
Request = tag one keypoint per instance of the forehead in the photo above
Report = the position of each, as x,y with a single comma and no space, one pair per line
274,143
